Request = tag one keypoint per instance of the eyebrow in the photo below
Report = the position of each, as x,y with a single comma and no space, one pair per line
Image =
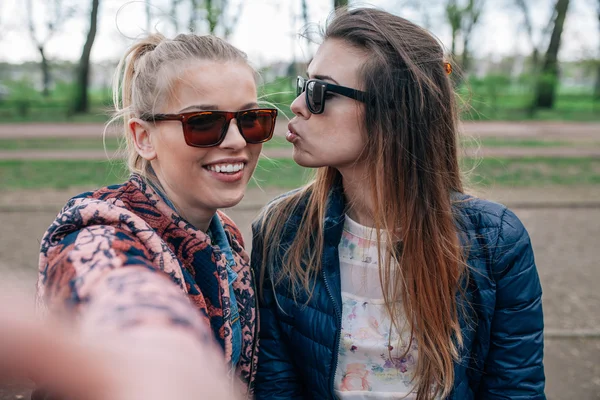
214,107
323,78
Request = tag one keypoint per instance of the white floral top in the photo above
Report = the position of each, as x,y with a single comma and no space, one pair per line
371,366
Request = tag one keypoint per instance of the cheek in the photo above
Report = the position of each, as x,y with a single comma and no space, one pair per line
254,153
345,128
168,138
170,144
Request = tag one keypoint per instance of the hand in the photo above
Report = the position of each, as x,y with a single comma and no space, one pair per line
142,362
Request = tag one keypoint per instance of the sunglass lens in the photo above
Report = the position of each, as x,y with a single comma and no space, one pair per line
314,93
205,129
300,85
257,125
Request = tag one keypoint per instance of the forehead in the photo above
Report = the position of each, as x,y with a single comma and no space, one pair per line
339,60
225,85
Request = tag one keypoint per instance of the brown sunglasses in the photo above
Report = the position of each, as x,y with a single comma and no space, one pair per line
209,128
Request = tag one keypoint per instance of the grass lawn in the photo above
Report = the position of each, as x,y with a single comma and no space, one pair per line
284,173
532,171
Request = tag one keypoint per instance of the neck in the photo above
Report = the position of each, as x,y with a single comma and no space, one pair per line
199,217
358,196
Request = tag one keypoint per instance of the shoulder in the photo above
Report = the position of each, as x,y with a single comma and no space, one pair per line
476,215
299,194
100,214
494,232
290,204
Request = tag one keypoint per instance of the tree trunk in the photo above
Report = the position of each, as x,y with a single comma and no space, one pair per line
535,61
548,78
453,47
469,20
465,63
454,18
45,72
83,69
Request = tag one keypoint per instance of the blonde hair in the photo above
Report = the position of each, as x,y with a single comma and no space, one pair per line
143,79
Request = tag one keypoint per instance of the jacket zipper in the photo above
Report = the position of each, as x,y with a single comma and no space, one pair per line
337,336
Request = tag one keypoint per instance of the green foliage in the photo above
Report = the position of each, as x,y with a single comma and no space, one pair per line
497,97
493,97
279,93
546,90
24,103
533,171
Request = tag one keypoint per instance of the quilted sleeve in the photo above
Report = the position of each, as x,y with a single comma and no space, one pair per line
514,369
276,377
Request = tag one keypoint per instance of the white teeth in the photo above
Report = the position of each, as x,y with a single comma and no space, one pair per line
226,168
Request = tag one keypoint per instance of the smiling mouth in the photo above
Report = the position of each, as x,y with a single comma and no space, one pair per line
228,169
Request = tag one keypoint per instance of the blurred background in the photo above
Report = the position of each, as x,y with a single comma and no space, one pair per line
529,90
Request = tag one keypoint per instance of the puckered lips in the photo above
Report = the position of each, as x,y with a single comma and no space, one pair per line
291,135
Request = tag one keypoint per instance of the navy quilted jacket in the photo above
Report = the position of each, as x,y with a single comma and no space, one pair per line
503,330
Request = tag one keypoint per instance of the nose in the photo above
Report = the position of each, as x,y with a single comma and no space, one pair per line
299,107
233,138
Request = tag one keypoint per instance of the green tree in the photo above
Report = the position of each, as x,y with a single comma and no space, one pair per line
463,18
454,17
56,13
597,86
216,15
548,78
471,16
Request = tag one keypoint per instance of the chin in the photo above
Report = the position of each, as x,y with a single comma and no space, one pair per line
307,162
229,200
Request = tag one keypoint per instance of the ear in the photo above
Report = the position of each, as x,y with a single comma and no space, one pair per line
140,132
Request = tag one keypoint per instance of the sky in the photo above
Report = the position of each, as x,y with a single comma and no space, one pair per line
268,29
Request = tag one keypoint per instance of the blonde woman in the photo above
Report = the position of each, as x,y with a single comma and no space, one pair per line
150,270
381,279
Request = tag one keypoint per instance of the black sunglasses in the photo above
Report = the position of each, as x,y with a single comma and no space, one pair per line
316,91
209,128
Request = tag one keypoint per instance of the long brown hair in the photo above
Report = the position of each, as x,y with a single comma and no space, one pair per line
411,147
